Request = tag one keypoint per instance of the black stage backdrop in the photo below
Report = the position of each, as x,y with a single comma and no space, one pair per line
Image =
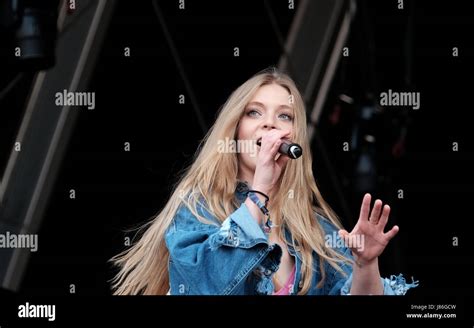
137,102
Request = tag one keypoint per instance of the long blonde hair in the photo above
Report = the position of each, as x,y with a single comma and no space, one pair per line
213,177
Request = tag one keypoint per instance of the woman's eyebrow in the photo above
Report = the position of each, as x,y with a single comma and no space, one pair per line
262,105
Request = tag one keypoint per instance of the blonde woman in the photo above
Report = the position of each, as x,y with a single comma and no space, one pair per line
251,221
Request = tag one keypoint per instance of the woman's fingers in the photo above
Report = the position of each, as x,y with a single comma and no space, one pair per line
282,160
384,217
352,241
390,234
274,135
365,207
271,142
343,234
378,215
375,214
275,147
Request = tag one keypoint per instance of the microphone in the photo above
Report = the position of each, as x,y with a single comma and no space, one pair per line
288,148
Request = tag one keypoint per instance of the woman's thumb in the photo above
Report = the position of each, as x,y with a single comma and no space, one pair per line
282,160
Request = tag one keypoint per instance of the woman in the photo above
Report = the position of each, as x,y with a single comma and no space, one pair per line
253,221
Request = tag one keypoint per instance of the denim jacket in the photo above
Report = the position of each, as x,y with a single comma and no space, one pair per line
236,258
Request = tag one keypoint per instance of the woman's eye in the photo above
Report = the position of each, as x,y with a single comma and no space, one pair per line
253,112
286,117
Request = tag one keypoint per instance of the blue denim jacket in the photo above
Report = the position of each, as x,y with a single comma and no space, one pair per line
236,258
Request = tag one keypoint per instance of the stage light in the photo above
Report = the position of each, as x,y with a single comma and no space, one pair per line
32,27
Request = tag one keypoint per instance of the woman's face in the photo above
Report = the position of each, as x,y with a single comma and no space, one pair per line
270,108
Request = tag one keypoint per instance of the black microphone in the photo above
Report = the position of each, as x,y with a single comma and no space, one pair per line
288,148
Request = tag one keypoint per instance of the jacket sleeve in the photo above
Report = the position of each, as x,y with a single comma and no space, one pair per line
396,285
340,284
213,260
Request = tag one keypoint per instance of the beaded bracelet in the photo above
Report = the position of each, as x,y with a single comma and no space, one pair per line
263,207
261,193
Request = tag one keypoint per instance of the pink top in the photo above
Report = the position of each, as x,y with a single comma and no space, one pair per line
285,290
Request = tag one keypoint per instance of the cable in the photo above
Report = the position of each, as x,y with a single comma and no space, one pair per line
178,62
77,16
281,42
11,85
323,152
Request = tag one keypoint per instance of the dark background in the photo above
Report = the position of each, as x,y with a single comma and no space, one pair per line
137,102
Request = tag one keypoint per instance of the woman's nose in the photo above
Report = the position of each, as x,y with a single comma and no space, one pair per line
269,123
269,127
